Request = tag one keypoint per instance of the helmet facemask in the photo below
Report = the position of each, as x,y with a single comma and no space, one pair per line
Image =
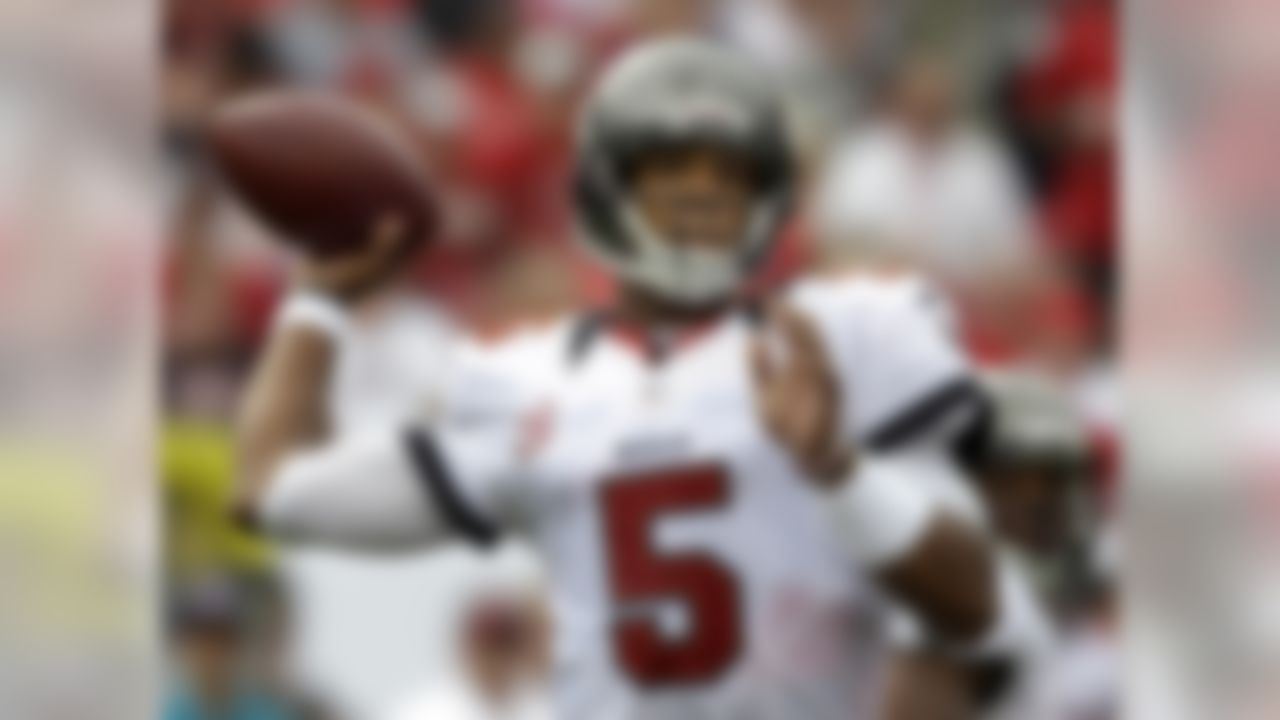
688,271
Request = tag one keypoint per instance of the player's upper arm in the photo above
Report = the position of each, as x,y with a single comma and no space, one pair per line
364,491
453,477
457,475
390,489
929,556
903,376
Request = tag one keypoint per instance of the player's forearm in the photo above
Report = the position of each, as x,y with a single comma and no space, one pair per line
927,686
363,491
949,579
934,562
285,407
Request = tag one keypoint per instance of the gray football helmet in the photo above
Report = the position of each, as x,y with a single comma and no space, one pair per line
677,92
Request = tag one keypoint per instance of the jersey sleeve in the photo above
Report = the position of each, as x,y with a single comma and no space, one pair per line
470,457
360,492
453,475
902,376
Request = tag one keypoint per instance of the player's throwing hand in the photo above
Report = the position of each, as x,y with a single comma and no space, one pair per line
350,276
798,397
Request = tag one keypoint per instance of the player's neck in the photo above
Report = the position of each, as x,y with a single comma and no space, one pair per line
643,310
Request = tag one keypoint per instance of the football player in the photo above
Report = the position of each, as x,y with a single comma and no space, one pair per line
724,492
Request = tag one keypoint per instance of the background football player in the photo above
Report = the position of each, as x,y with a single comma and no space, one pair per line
1030,472
723,490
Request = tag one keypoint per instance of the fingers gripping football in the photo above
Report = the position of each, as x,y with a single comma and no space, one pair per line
798,396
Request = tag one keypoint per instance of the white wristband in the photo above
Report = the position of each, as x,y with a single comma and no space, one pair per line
316,312
880,513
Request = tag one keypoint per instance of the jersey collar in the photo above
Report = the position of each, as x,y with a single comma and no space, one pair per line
655,347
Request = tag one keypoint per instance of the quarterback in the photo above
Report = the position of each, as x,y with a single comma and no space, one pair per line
725,490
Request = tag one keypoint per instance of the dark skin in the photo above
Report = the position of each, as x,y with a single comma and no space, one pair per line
698,196
927,686
1027,500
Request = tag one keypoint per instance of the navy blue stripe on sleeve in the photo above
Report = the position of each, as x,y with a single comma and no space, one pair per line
443,491
926,414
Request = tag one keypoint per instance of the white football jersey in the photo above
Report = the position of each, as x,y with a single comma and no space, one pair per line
693,572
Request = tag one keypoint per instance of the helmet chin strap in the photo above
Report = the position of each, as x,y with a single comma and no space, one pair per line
676,272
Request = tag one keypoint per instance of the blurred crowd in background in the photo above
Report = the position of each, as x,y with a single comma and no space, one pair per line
972,140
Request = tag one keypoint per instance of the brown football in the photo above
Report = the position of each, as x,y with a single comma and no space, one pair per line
320,170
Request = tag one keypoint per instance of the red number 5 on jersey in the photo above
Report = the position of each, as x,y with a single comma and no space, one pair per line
633,505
